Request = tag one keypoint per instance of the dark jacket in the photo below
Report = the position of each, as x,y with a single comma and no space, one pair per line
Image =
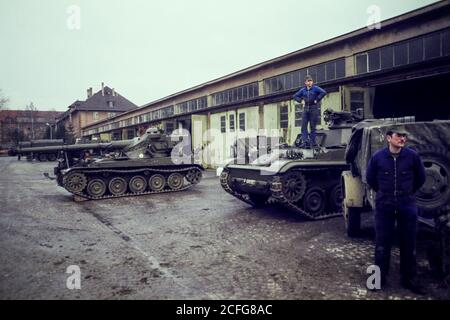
395,177
316,93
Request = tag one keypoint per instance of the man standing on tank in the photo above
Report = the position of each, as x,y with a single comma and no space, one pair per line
396,173
309,96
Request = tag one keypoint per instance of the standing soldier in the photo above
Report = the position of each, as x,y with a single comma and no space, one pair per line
309,96
396,173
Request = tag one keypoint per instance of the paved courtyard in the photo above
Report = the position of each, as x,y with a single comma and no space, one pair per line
196,244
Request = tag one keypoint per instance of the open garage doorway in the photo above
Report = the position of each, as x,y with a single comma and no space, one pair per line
426,98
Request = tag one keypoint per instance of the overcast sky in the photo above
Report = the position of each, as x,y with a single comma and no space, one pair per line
148,49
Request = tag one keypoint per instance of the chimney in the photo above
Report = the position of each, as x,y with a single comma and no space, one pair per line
113,92
89,92
103,89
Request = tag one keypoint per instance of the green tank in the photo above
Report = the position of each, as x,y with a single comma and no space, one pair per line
152,163
305,180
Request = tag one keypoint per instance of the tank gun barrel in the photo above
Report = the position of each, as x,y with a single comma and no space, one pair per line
74,147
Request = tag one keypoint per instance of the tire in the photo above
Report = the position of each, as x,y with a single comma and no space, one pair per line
352,218
51,157
435,193
42,157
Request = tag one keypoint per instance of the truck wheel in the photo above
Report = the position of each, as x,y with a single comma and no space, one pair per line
435,193
352,218
51,157
42,157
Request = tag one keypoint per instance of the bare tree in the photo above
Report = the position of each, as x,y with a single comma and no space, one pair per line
32,112
3,100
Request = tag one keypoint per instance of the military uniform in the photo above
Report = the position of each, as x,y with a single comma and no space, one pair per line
395,178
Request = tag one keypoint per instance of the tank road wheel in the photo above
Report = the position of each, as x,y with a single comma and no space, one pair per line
75,182
51,157
117,186
436,191
175,181
138,184
335,198
157,182
258,200
294,186
194,176
96,188
314,201
42,157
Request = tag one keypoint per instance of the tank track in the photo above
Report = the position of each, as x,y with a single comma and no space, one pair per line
83,196
277,196
224,183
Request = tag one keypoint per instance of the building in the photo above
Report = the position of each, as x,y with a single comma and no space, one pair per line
401,69
103,105
25,125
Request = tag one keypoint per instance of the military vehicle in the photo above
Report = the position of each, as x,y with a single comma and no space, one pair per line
305,180
21,148
432,141
149,164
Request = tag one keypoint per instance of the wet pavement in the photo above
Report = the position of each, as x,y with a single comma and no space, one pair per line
196,244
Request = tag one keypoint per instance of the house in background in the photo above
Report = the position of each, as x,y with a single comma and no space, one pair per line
104,104
24,125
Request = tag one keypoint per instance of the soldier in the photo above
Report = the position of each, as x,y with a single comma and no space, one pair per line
309,96
396,173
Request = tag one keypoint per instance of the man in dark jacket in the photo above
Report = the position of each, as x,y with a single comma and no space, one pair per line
309,96
396,173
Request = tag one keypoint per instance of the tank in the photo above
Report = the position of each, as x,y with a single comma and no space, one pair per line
305,180
152,163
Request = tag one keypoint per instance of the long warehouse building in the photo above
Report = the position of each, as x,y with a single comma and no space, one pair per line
400,69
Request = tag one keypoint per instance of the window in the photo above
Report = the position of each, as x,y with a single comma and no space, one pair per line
432,46
340,68
374,60
320,73
298,115
284,116
361,63
130,133
446,42
111,104
170,126
237,94
356,100
242,121
231,122
401,54
387,57
416,50
95,116
330,71
223,124
111,114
